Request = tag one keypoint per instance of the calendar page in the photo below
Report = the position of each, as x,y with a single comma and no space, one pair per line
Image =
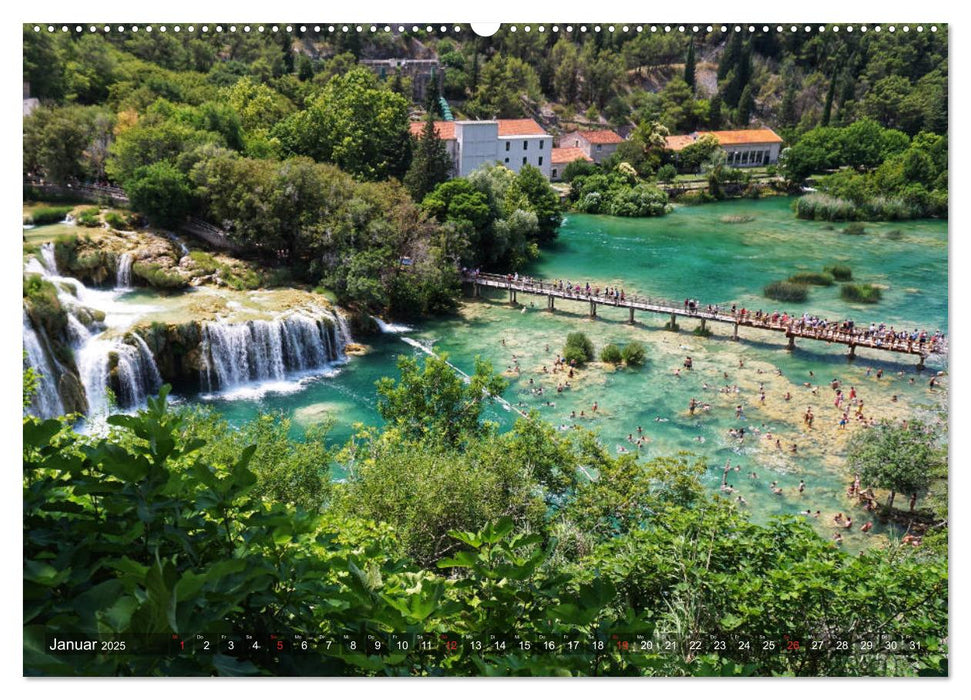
438,349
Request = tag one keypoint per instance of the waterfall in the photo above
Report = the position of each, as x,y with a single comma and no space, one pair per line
135,374
264,351
47,400
47,257
123,276
386,327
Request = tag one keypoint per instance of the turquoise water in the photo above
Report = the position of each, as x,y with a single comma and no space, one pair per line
691,252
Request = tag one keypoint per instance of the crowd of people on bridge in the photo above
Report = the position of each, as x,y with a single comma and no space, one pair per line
875,335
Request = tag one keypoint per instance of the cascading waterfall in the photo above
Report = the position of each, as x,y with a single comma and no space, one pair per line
259,351
123,276
47,400
48,259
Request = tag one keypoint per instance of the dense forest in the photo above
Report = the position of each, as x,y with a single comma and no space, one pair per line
445,527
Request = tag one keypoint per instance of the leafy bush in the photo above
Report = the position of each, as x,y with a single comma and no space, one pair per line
158,277
862,293
578,168
578,348
611,353
696,197
786,291
840,273
855,229
117,221
203,261
43,216
821,279
666,173
634,353
90,217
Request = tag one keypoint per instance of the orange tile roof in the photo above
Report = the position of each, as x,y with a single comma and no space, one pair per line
568,155
520,127
725,138
445,130
602,136
731,138
507,127
678,141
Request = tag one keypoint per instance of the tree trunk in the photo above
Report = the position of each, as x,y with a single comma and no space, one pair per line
890,502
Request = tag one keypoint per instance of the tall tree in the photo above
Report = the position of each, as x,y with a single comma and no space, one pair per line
746,105
715,112
430,164
897,457
828,105
689,66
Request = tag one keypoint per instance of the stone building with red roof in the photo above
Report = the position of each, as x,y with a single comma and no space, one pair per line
598,145
562,157
743,147
512,142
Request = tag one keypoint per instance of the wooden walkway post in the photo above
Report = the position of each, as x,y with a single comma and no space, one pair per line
792,341
549,303
593,309
631,321
735,333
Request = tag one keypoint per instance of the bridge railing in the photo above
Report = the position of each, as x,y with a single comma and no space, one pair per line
790,326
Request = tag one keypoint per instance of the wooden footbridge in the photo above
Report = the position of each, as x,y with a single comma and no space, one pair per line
792,327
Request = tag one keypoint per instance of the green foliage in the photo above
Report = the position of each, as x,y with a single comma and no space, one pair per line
67,143
821,279
117,221
43,216
434,402
618,193
162,192
288,471
860,293
158,277
354,123
840,273
786,291
578,168
89,217
578,348
896,457
854,229
611,353
634,354
666,173
430,164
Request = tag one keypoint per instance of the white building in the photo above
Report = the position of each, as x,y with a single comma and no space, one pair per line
743,148
512,142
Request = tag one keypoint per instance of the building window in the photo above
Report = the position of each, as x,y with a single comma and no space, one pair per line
541,144
554,172
576,143
524,160
507,145
598,146
507,160
525,145
540,162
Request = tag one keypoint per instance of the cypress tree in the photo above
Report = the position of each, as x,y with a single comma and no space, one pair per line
788,111
746,104
430,164
715,112
689,66
828,106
